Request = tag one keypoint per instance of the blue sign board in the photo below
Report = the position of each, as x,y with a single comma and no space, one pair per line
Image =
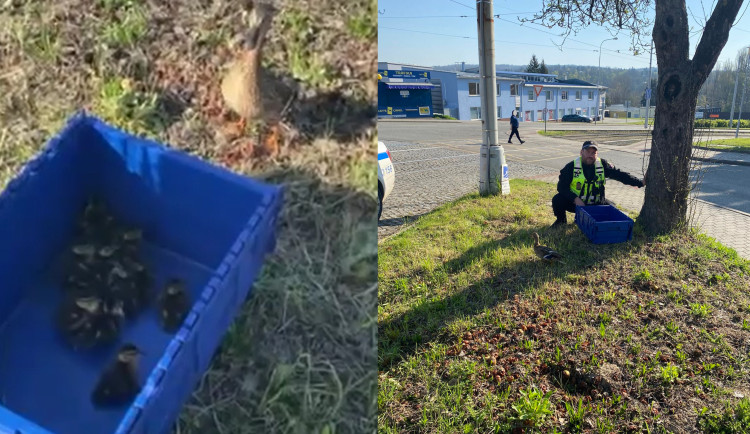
392,73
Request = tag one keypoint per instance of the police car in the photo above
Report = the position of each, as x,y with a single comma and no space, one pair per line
386,175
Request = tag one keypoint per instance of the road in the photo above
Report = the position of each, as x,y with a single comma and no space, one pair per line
437,161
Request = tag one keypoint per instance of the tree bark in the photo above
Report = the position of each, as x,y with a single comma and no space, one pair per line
680,79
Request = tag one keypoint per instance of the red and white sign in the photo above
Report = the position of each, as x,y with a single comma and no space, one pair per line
538,89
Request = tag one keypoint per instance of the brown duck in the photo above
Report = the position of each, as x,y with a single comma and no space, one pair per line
545,252
241,86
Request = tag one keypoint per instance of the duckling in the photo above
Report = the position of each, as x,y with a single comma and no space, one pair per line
108,322
84,252
107,251
132,235
118,385
94,219
129,291
174,305
76,320
545,252
241,84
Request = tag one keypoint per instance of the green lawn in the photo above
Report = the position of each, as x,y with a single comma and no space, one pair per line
729,145
478,335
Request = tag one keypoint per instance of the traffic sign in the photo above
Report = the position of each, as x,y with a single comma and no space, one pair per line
538,89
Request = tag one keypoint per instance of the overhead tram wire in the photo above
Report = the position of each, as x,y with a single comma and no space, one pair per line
473,38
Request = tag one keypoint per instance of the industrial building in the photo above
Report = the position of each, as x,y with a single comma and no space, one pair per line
403,92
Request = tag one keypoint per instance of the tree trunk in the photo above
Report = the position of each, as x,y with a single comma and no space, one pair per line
667,177
680,79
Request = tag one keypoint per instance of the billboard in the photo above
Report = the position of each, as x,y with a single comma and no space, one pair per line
392,73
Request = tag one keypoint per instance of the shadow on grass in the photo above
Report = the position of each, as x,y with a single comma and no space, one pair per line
301,354
399,221
403,335
316,113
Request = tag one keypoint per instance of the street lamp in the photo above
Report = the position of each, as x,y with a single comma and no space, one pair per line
599,79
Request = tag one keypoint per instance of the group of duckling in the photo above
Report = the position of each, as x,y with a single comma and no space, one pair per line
106,283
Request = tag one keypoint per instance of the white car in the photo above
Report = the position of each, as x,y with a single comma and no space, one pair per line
386,175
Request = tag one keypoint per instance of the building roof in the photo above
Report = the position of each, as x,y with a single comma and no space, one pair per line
472,75
577,82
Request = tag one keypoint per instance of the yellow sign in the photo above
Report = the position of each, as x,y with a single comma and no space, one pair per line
380,77
424,111
390,110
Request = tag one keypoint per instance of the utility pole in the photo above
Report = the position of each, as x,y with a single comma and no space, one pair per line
734,95
493,170
648,89
742,97
599,79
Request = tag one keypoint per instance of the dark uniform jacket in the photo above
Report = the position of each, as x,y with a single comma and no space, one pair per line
610,171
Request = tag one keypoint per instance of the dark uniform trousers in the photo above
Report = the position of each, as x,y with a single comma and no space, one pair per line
561,204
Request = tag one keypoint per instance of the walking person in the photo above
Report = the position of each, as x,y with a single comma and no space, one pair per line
582,182
514,127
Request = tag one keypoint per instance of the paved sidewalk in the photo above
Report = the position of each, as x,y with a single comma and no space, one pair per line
721,157
721,223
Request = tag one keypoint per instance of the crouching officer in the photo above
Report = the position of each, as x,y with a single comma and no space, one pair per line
582,182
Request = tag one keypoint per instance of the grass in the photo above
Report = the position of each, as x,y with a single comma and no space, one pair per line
304,63
127,28
729,145
478,335
557,133
640,121
442,116
301,355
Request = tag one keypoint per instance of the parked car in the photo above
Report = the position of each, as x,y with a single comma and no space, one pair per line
575,118
386,175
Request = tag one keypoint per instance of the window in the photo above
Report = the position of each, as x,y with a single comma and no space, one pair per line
564,95
513,89
499,112
549,95
532,97
473,88
476,112
591,95
498,89
578,95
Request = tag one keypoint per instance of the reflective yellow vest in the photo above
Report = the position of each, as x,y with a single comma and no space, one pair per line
584,188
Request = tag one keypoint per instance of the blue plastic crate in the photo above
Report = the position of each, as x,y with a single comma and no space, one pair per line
604,224
202,223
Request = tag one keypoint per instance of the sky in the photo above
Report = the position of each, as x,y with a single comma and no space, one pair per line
443,32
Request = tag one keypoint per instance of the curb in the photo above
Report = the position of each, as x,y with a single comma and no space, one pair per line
719,161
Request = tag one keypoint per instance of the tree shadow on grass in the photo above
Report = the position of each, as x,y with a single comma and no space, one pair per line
405,334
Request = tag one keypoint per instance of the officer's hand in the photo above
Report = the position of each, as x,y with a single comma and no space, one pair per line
579,202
